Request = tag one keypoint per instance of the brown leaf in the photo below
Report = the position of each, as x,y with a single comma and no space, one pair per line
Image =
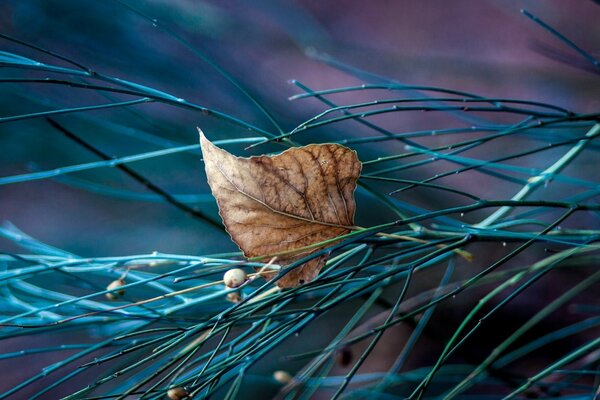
275,204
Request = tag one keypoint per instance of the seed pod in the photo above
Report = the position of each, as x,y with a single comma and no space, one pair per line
234,277
177,393
344,356
282,377
114,285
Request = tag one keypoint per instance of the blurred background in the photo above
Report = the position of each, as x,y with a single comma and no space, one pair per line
486,47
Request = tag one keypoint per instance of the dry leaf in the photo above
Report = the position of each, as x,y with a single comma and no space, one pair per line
275,204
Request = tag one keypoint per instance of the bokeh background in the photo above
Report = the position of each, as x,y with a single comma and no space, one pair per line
487,47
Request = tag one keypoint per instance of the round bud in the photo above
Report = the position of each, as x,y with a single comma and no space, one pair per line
282,377
234,277
114,286
344,356
177,393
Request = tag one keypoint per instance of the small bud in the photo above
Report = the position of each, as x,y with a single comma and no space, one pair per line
344,356
114,285
282,377
177,393
234,297
234,277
